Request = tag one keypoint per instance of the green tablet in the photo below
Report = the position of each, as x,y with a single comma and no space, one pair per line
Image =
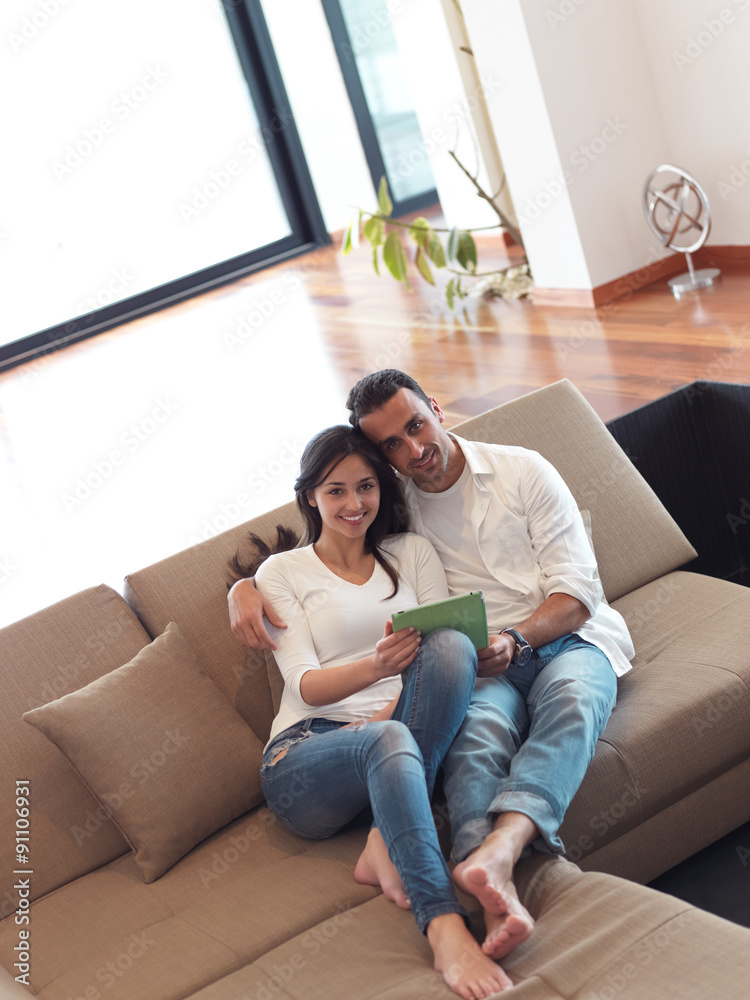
464,613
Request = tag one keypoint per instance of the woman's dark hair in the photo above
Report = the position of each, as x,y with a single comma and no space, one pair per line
321,455
374,391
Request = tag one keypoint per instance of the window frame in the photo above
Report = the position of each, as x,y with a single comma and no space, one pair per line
308,232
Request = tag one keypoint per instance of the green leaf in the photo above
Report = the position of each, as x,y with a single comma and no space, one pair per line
452,245
434,248
374,231
423,267
384,201
394,257
418,230
449,293
466,254
375,260
346,243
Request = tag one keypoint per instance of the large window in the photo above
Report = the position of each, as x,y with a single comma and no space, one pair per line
379,92
149,153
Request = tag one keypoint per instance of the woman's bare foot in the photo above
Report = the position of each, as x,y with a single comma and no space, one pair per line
376,868
466,969
487,874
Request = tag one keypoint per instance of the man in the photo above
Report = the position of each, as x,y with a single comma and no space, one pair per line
503,521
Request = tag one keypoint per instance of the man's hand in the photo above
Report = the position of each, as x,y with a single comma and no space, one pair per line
246,611
495,659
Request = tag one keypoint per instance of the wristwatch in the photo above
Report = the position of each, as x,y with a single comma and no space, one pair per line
523,651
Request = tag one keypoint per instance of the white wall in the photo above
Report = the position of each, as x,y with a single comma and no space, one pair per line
699,57
595,94
517,107
599,92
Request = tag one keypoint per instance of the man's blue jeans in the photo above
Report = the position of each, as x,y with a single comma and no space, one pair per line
526,742
331,772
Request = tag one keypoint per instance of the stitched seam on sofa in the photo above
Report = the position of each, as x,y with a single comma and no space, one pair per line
664,802
184,996
687,909
211,937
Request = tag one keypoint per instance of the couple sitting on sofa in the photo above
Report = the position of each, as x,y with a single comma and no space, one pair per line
514,725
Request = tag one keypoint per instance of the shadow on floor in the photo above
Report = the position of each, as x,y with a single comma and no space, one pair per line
716,879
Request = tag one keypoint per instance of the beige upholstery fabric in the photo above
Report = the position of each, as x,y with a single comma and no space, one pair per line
635,538
161,747
190,588
200,932
597,936
45,656
243,891
679,722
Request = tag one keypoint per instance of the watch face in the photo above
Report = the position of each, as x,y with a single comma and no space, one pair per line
524,655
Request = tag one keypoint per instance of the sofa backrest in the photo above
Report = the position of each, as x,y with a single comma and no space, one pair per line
43,657
636,540
190,588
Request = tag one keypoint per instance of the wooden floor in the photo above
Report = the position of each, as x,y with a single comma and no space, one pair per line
123,449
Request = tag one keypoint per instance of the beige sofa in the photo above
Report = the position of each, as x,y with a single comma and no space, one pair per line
216,900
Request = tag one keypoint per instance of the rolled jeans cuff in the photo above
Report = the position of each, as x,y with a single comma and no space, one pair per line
473,832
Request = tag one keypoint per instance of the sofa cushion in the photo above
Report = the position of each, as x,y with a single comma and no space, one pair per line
161,747
635,537
239,894
190,588
597,938
682,716
44,656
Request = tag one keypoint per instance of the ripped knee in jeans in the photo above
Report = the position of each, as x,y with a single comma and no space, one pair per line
279,755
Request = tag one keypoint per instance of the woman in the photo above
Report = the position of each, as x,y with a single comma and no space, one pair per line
367,714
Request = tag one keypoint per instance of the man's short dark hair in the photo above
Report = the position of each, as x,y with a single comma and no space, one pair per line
374,391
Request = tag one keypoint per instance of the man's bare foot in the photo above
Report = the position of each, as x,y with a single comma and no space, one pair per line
463,965
487,874
376,868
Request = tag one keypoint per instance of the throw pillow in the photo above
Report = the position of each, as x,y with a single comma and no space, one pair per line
161,747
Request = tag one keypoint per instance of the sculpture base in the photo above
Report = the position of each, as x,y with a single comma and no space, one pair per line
701,278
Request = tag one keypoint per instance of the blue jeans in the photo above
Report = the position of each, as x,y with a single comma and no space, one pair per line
526,742
331,772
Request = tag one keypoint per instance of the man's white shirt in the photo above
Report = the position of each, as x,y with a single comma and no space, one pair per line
511,528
